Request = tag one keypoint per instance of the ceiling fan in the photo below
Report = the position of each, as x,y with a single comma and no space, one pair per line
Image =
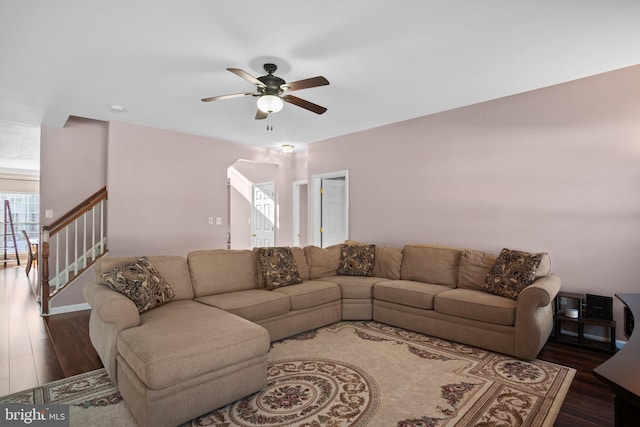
273,92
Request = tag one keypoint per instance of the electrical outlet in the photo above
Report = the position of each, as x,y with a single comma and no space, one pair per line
210,220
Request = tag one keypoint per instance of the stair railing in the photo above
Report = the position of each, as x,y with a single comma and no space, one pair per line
71,244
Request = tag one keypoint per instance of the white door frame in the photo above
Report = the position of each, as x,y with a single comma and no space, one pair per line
316,206
296,211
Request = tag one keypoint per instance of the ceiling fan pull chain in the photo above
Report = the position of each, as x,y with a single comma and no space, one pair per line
269,122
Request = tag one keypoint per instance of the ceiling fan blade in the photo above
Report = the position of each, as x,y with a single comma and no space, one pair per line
306,83
260,115
221,97
248,77
304,104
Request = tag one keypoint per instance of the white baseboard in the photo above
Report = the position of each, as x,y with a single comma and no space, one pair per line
69,309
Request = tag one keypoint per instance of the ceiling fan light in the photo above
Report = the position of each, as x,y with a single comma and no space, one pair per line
270,103
286,148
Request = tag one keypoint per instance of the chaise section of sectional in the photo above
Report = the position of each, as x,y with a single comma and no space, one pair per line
112,312
179,360
171,368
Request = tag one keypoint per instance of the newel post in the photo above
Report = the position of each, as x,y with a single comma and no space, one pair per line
44,291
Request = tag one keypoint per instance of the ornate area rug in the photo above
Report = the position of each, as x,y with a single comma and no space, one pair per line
357,374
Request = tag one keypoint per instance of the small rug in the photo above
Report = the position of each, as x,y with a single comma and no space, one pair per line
356,374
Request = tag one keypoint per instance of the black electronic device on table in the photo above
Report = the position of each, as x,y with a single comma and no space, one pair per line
599,307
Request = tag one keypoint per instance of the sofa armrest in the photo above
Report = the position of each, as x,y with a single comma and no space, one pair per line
111,306
540,293
111,313
534,315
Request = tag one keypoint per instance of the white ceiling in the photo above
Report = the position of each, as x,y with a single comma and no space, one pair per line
387,61
19,149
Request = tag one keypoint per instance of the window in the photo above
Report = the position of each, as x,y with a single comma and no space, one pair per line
25,212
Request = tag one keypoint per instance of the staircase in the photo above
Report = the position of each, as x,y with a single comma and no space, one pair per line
71,245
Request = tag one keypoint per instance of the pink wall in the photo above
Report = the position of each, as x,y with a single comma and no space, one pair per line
550,170
73,165
72,168
554,170
163,187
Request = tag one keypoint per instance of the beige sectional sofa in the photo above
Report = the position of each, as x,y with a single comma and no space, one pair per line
207,346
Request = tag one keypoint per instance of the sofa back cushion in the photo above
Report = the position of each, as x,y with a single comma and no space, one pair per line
217,271
174,269
388,262
322,262
544,268
474,266
437,265
301,262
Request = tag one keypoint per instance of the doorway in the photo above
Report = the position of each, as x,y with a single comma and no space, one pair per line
263,215
330,201
248,183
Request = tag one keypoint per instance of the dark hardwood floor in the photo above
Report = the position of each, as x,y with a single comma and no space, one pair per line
70,338
589,402
30,356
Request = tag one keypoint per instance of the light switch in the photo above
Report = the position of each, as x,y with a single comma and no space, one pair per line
210,220
48,213
218,221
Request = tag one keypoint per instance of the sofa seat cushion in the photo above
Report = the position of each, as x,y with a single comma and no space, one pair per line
310,294
477,305
169,347
407,292
252,304
355,287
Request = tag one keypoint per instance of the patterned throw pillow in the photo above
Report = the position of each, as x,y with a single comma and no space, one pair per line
357,260
141,283
512,272
278,267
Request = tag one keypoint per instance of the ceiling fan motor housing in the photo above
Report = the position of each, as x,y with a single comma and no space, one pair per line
272,83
